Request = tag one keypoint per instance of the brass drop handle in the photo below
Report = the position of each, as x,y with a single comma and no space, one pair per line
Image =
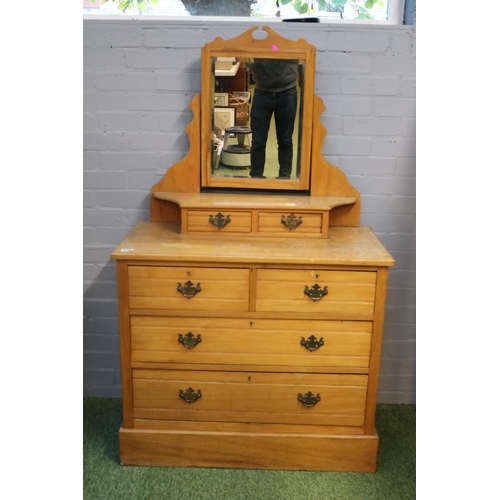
312,343
291,221
189,340
309,400
316,292
190,396
189,290
219,221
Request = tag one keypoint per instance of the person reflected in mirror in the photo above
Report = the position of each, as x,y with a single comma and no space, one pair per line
275,94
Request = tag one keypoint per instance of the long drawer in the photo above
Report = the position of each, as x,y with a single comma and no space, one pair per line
188,288
258,341
310,291
250,397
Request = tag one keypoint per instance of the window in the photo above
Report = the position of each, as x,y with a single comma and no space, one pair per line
385,11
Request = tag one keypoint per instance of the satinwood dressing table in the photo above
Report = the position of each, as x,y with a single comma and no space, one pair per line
251,311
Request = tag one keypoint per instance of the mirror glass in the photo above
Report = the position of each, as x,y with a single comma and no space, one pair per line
256,112
257,117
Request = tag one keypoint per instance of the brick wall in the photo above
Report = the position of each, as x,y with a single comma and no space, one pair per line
139,78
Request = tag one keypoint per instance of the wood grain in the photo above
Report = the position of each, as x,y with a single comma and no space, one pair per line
283,451
163,242
248,342
251,397
157,287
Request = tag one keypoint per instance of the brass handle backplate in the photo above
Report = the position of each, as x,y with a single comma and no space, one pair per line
189,290
291,222
315,292
219,221
190,396
309,400
312,343
189,340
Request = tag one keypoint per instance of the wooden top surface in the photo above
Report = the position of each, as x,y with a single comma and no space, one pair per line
249,201
162,241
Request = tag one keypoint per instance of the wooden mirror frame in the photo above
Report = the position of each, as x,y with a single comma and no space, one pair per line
273,46
182,189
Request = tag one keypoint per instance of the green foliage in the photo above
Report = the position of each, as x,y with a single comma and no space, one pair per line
243,7
141,4
301,6
361,6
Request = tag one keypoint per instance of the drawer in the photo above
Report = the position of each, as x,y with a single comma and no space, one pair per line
349,293
188,288
250,397
215,221
279,342
291,223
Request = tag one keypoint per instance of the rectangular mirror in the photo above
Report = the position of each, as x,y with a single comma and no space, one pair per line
257,112
257,118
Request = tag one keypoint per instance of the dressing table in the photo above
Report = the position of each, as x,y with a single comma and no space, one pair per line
251,310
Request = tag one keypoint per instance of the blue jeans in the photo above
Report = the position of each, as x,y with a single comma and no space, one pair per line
284,106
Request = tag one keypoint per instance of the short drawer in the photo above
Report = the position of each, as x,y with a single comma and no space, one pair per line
348,293
219,222
190,289
291,223
279,342
250,397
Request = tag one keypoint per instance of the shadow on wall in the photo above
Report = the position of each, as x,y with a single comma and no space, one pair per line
101,345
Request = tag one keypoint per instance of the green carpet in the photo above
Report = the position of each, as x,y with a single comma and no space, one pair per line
105,478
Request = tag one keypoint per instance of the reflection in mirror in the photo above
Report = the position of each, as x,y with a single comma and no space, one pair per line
257,114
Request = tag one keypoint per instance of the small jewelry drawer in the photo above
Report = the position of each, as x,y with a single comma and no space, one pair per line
219,221
190,289
278,342
291,223
347,293
250,397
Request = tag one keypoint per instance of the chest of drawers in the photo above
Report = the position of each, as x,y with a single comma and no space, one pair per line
250,352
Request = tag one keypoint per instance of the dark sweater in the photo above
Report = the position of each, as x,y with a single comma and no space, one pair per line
274,75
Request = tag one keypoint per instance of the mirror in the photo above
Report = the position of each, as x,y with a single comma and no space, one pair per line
257,92
257,117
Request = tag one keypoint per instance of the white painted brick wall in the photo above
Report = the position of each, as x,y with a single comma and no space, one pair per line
139,78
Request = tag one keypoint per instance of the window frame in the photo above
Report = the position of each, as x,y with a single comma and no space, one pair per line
400,12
